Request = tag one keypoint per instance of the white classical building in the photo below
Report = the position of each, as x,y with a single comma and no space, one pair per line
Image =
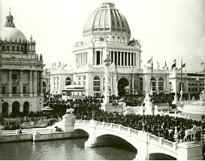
107,31
21,70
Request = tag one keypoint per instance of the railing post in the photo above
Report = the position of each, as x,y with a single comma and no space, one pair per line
119,127
160,140
175,145
129,130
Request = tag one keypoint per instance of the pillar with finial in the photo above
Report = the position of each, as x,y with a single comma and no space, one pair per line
148,87
173,79
107,63
181,80
10,20
106,105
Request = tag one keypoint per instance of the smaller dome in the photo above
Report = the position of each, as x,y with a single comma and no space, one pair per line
11,34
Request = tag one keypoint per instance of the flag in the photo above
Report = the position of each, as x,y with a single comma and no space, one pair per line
203,66
150,61
183,65
174,64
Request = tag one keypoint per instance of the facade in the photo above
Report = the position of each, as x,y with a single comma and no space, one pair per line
192,83
60,77
46,81
106,32
21,71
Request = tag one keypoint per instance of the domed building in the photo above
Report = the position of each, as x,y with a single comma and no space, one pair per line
21,71
107,32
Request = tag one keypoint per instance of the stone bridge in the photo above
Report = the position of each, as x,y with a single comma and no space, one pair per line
144,143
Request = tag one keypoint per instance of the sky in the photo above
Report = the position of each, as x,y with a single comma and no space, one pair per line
167,29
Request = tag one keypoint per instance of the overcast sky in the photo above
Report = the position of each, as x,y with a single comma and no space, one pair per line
167,29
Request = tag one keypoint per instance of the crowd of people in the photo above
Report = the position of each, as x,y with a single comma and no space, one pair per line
167,127
88,108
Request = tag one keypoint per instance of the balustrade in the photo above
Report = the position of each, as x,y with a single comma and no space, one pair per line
167,143
152,138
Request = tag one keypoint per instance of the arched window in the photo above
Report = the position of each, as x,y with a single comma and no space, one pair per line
153,84
161,84
96,86
16,107
141,85
5,109
67,81
26,107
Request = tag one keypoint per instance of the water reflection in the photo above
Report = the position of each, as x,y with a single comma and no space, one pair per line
61,150
72,149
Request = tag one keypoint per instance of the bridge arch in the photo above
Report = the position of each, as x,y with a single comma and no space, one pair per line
115,141
159,151
161,156
81,133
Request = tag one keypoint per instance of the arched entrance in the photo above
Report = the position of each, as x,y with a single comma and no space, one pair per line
122,84
5,109
26,107
44,87
68,81
16,107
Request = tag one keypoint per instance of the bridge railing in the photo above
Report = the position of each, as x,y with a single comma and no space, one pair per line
152,138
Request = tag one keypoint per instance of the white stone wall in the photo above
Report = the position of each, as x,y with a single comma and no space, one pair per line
35,103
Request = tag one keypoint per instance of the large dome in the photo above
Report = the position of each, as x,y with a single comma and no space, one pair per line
9,32
106,19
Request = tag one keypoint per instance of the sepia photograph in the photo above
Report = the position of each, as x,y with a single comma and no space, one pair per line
102,80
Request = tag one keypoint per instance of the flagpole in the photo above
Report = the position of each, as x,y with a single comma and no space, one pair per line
151,76
181,90
204,75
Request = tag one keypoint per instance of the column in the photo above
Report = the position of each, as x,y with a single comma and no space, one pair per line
107,83
0,89
116,54
111,57
127,59
130,59
120,58
88,85
123,59
30,83
35,83
10,107
134,59
21,83
10,83
133,84
94,58
1,106
41,86
157,86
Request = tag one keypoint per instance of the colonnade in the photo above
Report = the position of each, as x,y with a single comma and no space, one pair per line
123,58
35,84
